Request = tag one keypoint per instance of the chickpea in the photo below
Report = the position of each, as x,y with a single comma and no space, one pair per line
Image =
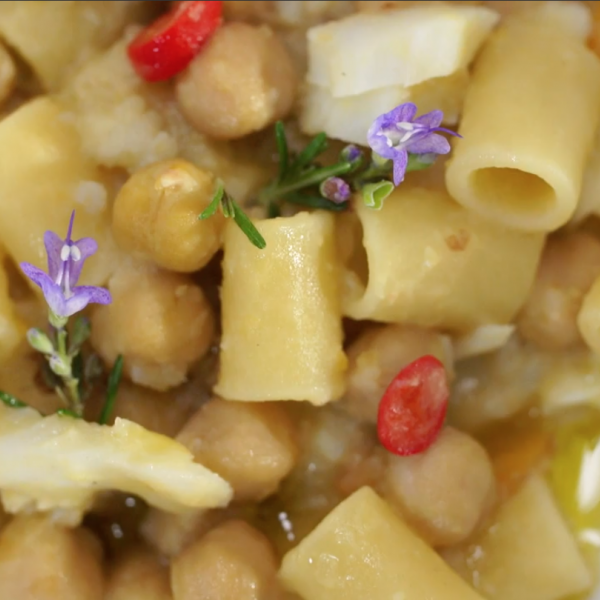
162,412
40,560
446,491
251,445
569,266
232,562
241,82
169,534
160,322
8,73
375,359
155,216
138,575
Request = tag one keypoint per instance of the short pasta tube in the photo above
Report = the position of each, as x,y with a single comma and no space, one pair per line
425,260
528,126
43,177
282,330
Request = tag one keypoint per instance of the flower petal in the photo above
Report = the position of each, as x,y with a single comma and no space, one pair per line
400,162
52,292
84,295
87,247
405,113
430,144
431,119
53,245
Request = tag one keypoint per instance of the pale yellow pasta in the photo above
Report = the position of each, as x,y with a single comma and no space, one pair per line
363,550
588,319
54,37
430,262
43,177
528,124
589,201
8,73
282,333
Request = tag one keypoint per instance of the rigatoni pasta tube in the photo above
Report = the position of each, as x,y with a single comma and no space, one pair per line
282,331
528,125
43,177
425,260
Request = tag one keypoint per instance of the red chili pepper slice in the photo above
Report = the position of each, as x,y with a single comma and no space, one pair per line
413,408
167,47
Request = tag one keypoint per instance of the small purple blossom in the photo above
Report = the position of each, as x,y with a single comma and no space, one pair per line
396,133
351,154
336,190
59,285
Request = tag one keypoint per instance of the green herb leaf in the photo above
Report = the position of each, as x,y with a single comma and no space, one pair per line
282,150
79,334
312,201
248,228
114,379
65,412
212,208
314,148
11,401
374,194
227,206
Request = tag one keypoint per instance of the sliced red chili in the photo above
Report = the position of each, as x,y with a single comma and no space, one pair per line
413,408
167,47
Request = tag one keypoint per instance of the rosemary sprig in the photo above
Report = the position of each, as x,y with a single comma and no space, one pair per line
302,181
232,210
114,380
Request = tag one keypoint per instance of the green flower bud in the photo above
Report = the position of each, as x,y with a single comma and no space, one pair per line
39,341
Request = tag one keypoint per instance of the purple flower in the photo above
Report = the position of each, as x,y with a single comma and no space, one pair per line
336,190
396,133
59,285
351,154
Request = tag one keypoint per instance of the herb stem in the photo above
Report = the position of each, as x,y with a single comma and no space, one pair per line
71,383
114,379
312,178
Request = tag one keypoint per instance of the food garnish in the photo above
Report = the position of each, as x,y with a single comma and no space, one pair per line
413,408
397,133
68,373
400,142
167,47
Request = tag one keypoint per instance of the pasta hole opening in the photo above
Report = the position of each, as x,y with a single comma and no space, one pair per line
356,260
513,190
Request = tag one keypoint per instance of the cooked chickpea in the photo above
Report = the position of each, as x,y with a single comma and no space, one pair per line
444,492
569,266
241,82
169,534
162,412
375,359
8,73
155,216
232,562
138,575
251,445
40,560
160,322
